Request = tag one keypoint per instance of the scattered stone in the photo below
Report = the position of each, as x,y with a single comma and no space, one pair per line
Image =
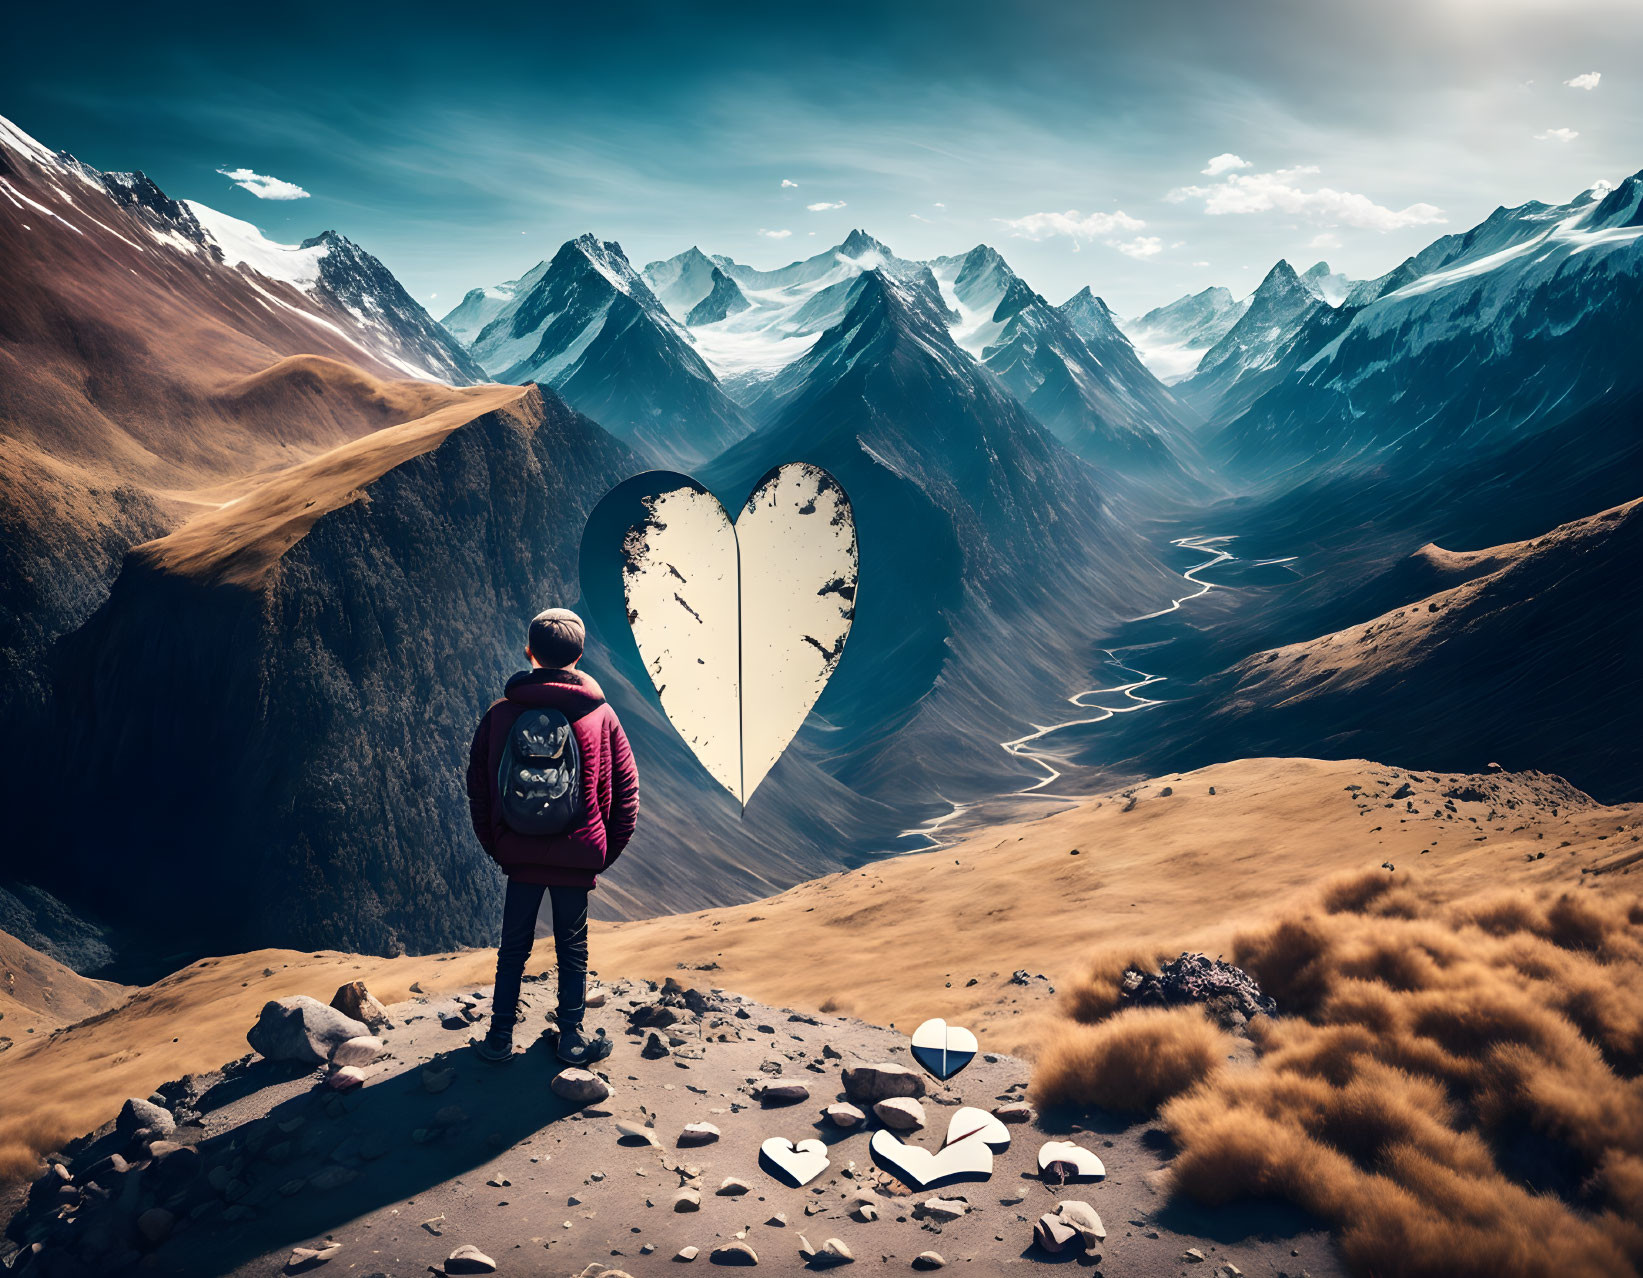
1082,1217
345,1078
869,1084
355,1001
144,1116
635,1134
928,1260
844,1115
1020,1112
833,1252
781,1091
301,1029
686,1254
900,1113
155,1225
654,1049
698,1134
942,1208
1053,1234
1193,1256
357,1051
468,1259
312,1257
730,1187
736,1253
687,1200
436,1080
329,1178
1229,994
594,998
580,1086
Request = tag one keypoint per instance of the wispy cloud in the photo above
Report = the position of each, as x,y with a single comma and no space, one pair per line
821,206
1558,135
938,205
920,218
1587,80
1225,163
1325,240
774,235
1141,246
786,182
264,187
1074,225
1281,192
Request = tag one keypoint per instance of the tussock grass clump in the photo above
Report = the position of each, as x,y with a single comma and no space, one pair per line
1455,1087
1134,1061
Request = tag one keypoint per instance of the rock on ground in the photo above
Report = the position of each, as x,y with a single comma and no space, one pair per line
353,1000
303,1030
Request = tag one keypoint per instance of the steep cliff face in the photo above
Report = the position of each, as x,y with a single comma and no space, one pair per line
279,706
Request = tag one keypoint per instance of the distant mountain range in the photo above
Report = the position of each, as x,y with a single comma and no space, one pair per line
1080,379
267,534
589,326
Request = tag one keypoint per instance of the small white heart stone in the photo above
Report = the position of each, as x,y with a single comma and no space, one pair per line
970,1121
800,1163
943,1049
1085,1165
967,1159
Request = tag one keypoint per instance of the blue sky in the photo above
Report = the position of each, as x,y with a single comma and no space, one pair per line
463,144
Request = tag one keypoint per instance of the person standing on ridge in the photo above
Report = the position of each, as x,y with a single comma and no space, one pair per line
554,796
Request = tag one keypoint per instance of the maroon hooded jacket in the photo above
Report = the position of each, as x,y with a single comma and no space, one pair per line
610,783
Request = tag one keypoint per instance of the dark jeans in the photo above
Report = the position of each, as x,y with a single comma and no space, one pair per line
570,940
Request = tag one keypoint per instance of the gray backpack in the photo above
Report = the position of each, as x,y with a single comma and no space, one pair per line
540,776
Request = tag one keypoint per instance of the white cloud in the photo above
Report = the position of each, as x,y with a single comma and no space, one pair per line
1141,246
917,218
264,187
821,206
774,235
786,182
1558,135
938,205
1325,239
1225,163
1602,187
1280,191
1074,225
1587,80
1200,263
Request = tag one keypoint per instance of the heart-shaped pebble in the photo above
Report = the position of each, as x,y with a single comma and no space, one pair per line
943,1049
967,1159
1073,1162
797,1164
969,1121
741,625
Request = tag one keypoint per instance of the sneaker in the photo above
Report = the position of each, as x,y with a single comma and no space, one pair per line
576,1048
492,1049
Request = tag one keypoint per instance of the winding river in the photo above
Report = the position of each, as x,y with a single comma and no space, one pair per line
1124,697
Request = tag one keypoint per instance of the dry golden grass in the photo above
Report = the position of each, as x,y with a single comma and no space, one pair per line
1134,1061
1453,1085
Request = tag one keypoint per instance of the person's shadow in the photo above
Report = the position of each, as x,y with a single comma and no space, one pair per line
398,1139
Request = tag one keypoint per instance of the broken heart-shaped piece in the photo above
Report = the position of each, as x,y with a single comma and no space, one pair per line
966,1159
1061,1161
943,1049
740,625
969,1121
797,1164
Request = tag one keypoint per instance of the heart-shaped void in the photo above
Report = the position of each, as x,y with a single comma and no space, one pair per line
943,1049
741,625
797,1164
